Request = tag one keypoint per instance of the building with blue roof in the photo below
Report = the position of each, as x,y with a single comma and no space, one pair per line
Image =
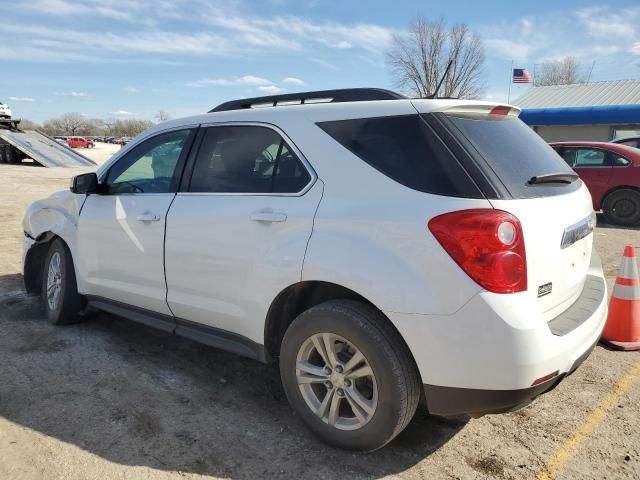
597,111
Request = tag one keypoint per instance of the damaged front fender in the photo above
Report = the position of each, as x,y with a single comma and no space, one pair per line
55,216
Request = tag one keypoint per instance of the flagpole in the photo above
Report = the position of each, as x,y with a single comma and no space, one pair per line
510,82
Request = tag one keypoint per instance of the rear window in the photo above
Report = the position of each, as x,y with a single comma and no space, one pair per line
513,152
405,149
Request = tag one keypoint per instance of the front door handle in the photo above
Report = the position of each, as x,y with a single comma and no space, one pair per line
148,217
268,217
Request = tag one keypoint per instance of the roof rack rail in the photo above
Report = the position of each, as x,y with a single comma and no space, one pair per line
320,96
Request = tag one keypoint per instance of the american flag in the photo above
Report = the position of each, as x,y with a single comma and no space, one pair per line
520,75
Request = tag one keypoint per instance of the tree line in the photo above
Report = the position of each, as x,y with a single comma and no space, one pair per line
71,124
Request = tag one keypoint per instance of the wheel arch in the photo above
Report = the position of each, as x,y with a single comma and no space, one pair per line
34,261
301,296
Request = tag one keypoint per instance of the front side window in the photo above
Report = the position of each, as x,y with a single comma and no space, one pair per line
246,159
150,166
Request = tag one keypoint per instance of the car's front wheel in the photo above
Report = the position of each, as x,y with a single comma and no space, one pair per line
622,207
349,375
62,302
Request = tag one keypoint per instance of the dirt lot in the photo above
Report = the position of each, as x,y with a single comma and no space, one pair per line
114,399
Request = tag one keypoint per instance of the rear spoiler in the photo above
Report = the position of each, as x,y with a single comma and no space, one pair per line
469,107
484,110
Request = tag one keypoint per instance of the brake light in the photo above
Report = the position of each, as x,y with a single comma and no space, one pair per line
500,110
487,244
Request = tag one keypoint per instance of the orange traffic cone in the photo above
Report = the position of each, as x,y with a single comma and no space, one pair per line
622,330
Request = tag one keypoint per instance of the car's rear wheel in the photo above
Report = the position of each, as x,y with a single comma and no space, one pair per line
349,375
62,302
622,207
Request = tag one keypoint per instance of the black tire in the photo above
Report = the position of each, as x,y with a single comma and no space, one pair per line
12,156
69,304
396,375
622,207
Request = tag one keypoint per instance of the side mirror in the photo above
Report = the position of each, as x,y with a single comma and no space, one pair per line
85,183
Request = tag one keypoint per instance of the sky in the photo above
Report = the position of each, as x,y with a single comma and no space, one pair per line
130,59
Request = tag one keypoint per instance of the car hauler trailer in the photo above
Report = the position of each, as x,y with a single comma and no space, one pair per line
17,145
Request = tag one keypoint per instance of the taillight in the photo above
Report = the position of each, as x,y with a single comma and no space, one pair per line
487,244
500,110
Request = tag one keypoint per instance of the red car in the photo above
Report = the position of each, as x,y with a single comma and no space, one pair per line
80,142
612,174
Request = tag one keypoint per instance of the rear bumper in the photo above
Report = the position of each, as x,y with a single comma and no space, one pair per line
501,344
456,401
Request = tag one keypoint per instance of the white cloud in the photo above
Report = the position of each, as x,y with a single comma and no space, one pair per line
508,49
325,64
605,24
252,80
247,80
131,89
216,28
343,45
76,94
588,34
271,89
22,99
293,81
635,48
120,112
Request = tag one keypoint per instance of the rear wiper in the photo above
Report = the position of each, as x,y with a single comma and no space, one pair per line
553,178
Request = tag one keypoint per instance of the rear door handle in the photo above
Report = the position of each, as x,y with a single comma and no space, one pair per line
148,217
269,217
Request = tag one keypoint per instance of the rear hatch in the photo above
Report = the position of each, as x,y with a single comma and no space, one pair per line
519,173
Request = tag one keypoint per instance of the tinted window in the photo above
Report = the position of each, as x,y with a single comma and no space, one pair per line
513,151
246,159
150,166
404,149
631,143
617,160
587,157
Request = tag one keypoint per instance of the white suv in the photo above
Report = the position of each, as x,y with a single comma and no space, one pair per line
5,111
382,249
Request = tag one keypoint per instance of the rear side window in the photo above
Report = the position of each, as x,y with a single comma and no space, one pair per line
511,151
631,143
405,149
247,159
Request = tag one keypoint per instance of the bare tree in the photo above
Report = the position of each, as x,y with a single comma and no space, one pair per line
162,116
419,58
72,123
559,72
129,127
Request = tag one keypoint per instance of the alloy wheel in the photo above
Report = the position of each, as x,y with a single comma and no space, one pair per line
54,281
336,381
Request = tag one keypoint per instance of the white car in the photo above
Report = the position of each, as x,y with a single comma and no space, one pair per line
5,110
381,249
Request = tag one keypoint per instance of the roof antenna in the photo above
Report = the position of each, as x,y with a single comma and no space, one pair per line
435,93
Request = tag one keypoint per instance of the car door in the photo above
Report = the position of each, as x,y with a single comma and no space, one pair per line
592,166
121,231
238,229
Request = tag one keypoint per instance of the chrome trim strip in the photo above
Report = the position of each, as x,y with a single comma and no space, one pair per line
577,231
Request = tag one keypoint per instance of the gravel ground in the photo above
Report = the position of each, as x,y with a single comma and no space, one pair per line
113,399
